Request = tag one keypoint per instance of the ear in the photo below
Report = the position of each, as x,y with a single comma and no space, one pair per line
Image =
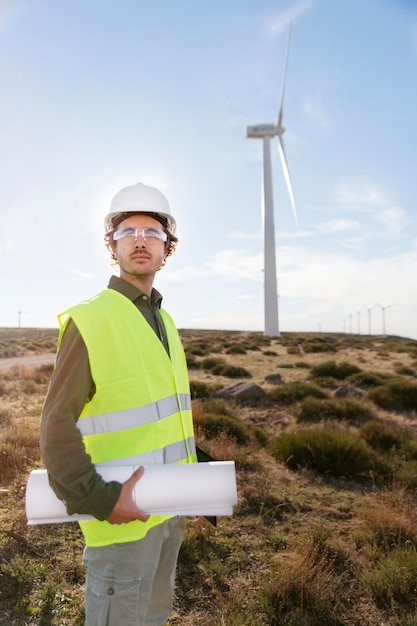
113,246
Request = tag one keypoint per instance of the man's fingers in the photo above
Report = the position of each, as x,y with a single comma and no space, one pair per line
130,483
137,475
126,509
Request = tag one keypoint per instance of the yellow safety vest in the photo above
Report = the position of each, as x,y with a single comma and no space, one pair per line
141,411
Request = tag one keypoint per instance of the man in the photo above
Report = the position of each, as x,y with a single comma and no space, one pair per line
119,395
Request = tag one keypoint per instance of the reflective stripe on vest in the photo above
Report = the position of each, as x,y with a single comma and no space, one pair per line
174,453
130,418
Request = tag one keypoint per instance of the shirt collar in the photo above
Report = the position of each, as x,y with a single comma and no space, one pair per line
131,292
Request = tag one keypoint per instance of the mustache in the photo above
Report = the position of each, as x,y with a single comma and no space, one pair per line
140,254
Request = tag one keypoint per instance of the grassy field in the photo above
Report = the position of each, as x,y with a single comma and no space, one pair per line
324,533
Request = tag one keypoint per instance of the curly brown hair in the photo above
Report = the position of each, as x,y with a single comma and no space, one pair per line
170,244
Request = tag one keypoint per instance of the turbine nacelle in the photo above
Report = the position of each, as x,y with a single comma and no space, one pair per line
264,130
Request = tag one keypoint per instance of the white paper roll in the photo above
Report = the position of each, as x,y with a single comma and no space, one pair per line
188,489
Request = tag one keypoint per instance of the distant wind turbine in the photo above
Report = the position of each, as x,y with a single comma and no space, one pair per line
383,308
19,315
369,309
266,132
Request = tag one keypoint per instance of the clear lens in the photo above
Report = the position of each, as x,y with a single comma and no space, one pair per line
148,234
124,232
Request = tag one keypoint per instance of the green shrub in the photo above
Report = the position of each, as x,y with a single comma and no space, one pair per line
210,362
235,348
324,450
200,389
404,370
293,350
295,391
365,380
214,425
230,371
197,349
382,436
260,436
218,406
340,371
258,340
192,362
349,409
395,395
318,344
406,474
409,447
392,581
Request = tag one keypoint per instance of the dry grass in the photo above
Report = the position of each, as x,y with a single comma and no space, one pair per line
303,548
21,342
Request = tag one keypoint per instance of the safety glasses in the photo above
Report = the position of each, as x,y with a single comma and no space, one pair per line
149,235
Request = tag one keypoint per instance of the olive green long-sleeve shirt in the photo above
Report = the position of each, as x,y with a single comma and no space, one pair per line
71,472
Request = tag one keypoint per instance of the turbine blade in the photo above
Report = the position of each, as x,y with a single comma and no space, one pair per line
287,177
284,78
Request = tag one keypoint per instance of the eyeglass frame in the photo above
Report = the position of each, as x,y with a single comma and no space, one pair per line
148,238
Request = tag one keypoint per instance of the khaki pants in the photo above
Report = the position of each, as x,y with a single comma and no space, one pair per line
132,584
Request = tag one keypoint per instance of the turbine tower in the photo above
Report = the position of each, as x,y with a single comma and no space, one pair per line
266,132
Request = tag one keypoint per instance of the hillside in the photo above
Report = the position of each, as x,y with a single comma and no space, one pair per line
325,528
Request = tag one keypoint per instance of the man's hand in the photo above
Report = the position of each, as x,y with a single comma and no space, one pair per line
125,509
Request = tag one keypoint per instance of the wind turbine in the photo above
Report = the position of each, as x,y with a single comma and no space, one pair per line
19,315
369,309
266,132
383,308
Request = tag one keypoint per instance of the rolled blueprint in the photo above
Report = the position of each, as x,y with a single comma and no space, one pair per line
188,489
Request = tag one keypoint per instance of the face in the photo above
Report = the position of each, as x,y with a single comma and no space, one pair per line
139,259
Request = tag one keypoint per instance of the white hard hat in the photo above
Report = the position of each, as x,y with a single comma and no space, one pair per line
139,198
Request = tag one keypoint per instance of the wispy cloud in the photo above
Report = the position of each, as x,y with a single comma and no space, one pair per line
339,226
244,297
375,204
350,278
230,265
392,218
240,234
188,273
233,264
358,199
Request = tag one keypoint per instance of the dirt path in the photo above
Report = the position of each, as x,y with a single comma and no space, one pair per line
31,361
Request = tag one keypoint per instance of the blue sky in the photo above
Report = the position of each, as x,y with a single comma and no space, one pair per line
99,94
